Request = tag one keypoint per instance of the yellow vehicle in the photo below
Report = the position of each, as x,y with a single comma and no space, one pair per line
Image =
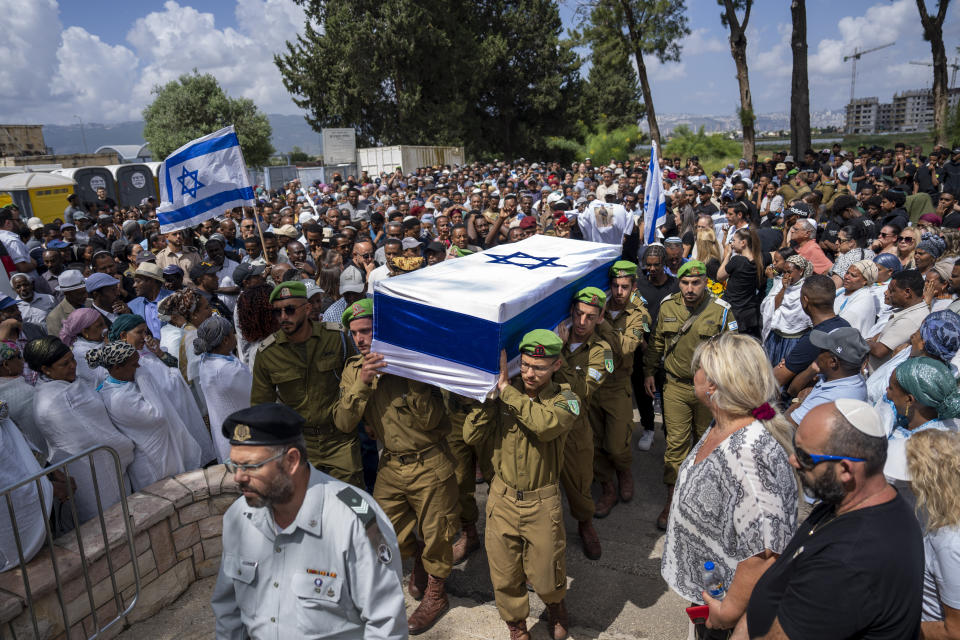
41,195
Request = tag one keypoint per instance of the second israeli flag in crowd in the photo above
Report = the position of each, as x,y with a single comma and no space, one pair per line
202,179
654,202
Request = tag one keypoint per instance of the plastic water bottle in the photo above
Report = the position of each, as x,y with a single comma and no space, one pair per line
712,582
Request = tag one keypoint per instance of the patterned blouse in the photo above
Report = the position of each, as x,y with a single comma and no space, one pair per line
739,500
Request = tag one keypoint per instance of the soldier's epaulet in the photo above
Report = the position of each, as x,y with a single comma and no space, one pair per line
269,340
333,326
723,303
358,505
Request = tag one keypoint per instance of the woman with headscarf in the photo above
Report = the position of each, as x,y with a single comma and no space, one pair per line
72,419
163,384
925,395
224,381
187,309
936,286
887,265
855,302
928,250
784,321
18,394
163,446
83,330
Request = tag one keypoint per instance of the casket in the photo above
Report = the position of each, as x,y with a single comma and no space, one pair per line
446,324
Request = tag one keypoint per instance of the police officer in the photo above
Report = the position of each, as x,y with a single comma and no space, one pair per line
526,427
304,555
685,320
588,360
416,485
625,326
300,366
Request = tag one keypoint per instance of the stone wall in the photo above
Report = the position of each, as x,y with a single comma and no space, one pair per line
177,527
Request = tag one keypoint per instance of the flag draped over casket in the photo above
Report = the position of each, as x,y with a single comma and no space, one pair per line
446,324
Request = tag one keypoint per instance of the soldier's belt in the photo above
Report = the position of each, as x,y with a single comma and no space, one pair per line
673,378
414,456
499,487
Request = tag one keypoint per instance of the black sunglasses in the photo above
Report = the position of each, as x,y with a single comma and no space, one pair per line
289,310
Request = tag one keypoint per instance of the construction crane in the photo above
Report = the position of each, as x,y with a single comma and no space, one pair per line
856,56
953,65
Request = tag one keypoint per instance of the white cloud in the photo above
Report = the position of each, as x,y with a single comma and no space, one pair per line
93,77
881,24
699,42
29,52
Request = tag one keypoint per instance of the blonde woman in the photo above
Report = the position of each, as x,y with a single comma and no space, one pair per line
706,247
736,495
933,459
907,243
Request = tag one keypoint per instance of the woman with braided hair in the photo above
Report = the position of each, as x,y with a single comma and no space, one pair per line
163,445
254,321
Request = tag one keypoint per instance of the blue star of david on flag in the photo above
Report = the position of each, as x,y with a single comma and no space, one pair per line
525,260
189,175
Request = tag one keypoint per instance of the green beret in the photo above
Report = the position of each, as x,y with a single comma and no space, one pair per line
288,289
362,308
541,343
622,269
692,268
792,172
592,296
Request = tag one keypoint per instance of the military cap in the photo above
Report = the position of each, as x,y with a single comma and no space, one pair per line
592,296
288,289
541,343
264,424
362,308
623,268
692,268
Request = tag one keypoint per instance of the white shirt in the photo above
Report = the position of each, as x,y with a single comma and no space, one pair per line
380,273
17,464
36,310
941,574
225,383
789,317
606,223
859,308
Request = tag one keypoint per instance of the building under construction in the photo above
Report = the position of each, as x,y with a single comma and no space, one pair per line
910,111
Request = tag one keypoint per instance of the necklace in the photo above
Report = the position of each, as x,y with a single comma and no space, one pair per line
837,514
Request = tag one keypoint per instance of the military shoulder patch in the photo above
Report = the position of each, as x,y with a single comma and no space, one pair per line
608,360
723,303
333,326
639,334
269,340
593,373
569,402
732,326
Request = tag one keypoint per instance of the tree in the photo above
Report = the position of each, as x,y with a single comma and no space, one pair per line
933,33
298,155
738,49
651,27
799,85
611,97
195,105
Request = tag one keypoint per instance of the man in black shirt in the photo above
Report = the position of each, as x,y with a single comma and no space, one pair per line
950,173
926,179
654,285
854,569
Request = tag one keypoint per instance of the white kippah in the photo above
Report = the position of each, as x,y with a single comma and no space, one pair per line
862,416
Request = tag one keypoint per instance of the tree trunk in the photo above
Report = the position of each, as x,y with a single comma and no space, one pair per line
738,47
637,48
933,33
799,87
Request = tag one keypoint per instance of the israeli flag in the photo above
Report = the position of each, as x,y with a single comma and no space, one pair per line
202,179
654,203
446,324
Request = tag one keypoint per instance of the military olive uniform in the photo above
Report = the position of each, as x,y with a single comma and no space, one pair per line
611,409
585,369
674,340
467,457
306,378
525,537
416,485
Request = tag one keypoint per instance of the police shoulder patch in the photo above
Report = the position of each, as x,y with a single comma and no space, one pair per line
269,340
608,360
358,505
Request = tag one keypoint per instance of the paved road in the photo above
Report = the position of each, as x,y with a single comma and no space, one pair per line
621,596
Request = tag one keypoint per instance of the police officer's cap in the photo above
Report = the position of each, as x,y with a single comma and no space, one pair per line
288,289
541,343
592,296
623,269
362,308
264,424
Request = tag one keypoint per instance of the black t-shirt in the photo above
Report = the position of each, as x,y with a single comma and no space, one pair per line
707,209
654,295
804,353
859,575
742,292
952,221
950,177
771,238
924,180
688,238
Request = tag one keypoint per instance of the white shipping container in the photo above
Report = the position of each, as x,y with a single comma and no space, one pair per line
377,160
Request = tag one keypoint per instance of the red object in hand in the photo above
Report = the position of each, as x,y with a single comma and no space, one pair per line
699,614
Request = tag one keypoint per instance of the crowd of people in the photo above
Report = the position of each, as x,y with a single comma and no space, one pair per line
795,325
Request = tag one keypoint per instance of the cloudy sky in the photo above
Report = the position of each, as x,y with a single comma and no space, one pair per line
99,59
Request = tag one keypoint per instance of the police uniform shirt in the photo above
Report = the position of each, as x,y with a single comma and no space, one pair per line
334,573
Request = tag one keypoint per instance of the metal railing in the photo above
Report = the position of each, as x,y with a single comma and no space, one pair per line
37,480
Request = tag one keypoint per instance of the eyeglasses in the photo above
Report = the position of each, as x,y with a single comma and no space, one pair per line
289,310
906,239
887,235
366,256
233,467
808,461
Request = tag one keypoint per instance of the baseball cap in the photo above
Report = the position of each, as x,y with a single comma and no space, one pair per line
70,280
844,342
146,256
100,280
57,244
410,243
203,269
527,223
801,209
34,223
245,269
172,270
352,280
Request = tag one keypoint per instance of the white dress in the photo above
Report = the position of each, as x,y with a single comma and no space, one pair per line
226,383
164,447
859,308
91,377
17,464
789,317
72,418
19,395
162,384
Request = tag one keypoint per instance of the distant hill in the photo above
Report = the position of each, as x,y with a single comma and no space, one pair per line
288,132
